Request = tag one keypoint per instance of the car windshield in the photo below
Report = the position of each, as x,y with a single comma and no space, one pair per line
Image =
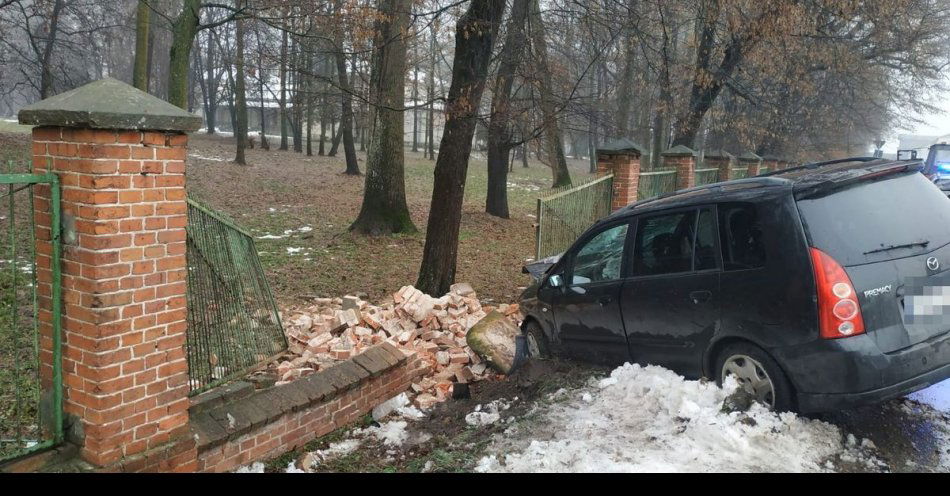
870,222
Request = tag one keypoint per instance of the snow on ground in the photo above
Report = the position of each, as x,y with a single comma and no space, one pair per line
937,396
489,414
649,419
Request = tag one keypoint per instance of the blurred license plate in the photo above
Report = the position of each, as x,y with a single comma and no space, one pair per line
927,300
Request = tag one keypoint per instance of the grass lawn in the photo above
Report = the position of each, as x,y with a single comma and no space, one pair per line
301,207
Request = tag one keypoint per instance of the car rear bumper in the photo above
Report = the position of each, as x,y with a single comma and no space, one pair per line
818,402
850,372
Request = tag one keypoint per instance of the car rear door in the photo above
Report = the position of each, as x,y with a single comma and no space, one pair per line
670,302
587,309
892,236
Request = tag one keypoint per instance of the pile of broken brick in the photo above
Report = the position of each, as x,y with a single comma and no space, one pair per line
333,329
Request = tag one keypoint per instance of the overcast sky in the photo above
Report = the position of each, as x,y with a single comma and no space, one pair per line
935,125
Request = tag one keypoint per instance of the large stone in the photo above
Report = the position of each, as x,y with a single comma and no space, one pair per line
493,339
109,104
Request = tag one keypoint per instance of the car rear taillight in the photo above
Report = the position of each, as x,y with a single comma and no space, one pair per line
839,313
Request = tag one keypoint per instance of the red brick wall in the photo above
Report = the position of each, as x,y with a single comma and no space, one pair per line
723,164
752,165
123,286
685,166
626,171
295,429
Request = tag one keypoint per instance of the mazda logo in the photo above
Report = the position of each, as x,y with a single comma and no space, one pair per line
933,264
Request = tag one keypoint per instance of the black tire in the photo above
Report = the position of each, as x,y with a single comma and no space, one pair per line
533,331
783,393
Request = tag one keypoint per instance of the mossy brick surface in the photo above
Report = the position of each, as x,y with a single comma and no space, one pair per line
109,104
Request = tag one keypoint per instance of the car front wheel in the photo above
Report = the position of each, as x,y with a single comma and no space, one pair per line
758,374
536,340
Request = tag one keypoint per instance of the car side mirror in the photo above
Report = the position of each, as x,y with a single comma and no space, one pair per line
556,281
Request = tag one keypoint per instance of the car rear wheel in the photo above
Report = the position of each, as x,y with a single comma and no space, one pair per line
536,340
758,374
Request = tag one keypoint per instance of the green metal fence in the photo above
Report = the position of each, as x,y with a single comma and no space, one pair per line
233,324
656,183
31,392
566,213
763,170
706,176
740,172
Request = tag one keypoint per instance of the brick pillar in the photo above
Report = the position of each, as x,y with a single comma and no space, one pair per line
683,159
772,163
752,162
120,157
622,158
722,160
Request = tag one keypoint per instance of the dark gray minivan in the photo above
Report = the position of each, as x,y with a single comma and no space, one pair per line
820,287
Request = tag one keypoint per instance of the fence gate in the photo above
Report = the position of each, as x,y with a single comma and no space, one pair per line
31,392
233,324
566,213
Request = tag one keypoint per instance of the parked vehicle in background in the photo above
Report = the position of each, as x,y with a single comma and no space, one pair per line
937,166
811,285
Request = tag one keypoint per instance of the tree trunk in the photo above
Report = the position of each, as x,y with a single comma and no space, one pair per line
499,131
140,69
415,102
283,90
474,35
265,145
554,146
346,117
240,94
184,30
430,93
384,209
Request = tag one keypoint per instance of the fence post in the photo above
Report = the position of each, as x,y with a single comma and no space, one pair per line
722,160
120,157
622,158
771,162
683,159
752,161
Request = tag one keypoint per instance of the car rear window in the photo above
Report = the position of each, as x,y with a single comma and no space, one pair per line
874,221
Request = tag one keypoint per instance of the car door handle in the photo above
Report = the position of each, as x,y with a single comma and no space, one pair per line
700,296
605,300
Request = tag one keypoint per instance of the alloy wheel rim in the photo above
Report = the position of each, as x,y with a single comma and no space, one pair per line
752,377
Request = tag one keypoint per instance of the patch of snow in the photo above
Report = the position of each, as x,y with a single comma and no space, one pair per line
490,414
937,396
292,469
292,250
271,236
335,450
210,159
392,433
254,468
399,404
649,419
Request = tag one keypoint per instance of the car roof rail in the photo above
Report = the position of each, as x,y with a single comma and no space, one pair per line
815,165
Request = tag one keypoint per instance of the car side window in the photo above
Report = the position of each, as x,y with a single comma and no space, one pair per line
740,234
601,258
705,253
664,244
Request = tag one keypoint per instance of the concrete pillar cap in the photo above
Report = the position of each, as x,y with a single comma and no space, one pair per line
109,104
679,151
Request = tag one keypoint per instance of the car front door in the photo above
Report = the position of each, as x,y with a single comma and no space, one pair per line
671,300
586,308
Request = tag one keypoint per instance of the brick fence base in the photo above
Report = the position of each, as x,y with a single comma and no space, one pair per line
271,422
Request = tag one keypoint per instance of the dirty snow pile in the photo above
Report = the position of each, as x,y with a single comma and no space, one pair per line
649,419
